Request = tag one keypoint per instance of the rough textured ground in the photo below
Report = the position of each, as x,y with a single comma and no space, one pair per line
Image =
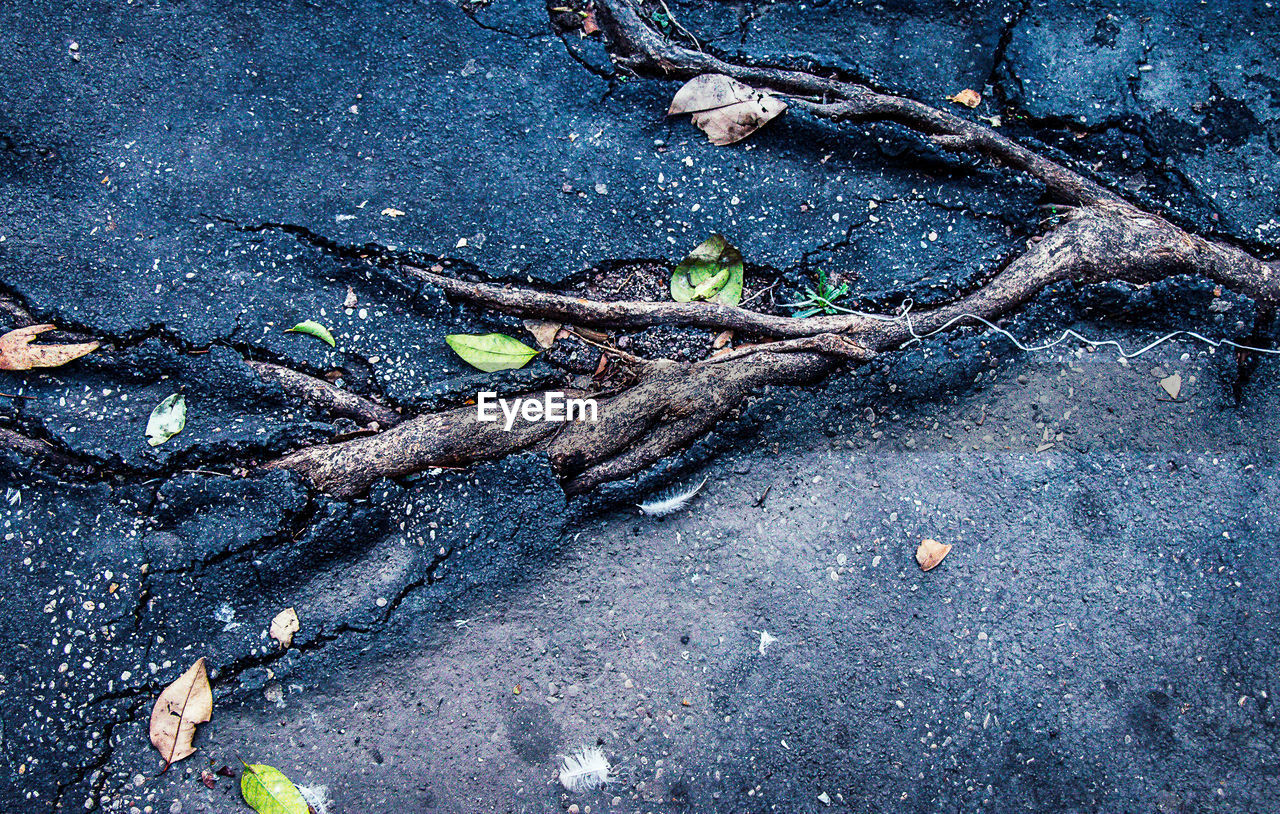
1102,638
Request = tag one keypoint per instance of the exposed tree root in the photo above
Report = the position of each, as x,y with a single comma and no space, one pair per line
45,453
325,396
1102,237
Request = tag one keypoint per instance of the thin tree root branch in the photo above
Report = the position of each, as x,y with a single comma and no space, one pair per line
321,394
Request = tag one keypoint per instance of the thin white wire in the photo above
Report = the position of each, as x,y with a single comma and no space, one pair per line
903,317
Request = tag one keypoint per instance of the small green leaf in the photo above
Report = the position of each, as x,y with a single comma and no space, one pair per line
167,420
712,285
310,326
268,791
712,271
491,352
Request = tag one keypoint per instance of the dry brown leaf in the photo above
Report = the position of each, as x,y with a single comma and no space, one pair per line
967,97
284,626
723,338
930,553
604,362
724,108
17,352
589,24
544,332
183,704
1172,385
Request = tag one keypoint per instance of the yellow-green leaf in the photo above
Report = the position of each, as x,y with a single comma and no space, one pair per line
712,271
491,352
167,420
268,791
310,326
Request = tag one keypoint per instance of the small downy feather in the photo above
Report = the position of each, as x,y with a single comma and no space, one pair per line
669,502
585,770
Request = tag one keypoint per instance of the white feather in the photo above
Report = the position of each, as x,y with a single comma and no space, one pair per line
669,502
317,797
585,770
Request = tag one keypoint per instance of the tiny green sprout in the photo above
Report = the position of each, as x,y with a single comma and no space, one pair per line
822,301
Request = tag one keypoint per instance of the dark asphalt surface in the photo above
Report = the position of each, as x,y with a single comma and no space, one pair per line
1101,639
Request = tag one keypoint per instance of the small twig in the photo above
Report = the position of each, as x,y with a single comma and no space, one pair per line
678,27
621,354
759,293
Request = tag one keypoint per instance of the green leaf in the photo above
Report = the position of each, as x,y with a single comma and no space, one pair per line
712,271
167,420
491,352
712,285
310,326
268,791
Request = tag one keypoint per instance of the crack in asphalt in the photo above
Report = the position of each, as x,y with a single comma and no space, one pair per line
999,57
470,9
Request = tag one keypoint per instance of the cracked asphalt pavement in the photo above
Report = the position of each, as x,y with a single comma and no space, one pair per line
185,181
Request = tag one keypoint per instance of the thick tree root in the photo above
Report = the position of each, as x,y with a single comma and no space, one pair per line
1103,237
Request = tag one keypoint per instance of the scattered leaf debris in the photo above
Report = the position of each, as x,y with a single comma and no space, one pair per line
167,419
17,352
967,97
1172,385
491,352
930,552
182,705
284,626
268,791
724,108
544,331
313,328
712,272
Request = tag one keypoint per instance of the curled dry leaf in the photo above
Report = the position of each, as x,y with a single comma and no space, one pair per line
930,552
183,704
724,108
544,332
967,97
284,626
723,338
17,352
